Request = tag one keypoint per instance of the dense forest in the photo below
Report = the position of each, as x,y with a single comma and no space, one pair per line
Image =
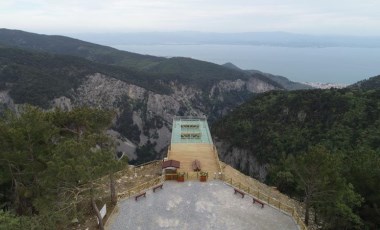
323,147
49,162
371,83
37,78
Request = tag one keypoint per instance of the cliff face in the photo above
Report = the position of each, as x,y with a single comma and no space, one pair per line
142,127
6,101
145,91
151,113
241,159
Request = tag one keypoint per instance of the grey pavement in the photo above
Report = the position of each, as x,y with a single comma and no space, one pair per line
193,205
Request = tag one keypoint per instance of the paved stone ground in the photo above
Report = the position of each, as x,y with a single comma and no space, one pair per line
194,205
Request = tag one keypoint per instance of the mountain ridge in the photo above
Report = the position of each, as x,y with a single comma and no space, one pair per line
145,103
167,68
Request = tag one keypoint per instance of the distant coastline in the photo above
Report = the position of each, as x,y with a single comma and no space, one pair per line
342,65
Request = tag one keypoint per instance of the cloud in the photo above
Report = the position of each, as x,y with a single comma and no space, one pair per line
345,17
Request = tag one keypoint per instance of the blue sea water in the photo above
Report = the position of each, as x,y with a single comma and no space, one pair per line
311,64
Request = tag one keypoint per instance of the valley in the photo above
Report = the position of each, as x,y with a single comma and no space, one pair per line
264,125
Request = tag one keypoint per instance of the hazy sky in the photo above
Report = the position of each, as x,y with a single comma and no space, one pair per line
349,17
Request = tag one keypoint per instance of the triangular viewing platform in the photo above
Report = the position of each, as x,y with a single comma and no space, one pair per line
190,142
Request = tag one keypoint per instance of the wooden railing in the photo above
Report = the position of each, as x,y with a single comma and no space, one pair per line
139,188
267,199
187,176
215,151
138,167
154,162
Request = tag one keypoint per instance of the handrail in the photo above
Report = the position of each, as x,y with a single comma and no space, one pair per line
189,118
217,157
269,200
147,163
141,187
137,167
134,191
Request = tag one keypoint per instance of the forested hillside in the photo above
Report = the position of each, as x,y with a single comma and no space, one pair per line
36,78
320,146
74,47
185,70
146,91
371,83
49,162
283,82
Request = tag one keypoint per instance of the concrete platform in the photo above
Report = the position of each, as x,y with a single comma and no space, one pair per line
194,205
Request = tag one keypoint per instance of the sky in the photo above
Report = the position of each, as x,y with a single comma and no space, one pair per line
323,17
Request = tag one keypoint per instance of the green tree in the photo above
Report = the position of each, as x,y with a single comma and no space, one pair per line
26,142
363,170
51,163
319,179
84,155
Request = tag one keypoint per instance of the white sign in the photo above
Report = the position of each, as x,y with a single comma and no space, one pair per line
103,212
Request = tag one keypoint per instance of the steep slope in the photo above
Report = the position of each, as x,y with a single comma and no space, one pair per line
37,78
289,122
231,66
145,102
183,70
69,46
281,81
263,137
368,84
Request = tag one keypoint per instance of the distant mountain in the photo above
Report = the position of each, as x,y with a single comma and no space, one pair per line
144,91
37,78
319,85
283,81
69,46
231,66
282,39
368,84
189,70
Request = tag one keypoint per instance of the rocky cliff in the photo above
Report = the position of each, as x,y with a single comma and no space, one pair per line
143,123
241,159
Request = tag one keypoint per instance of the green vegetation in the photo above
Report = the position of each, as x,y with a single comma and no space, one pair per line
36,78
278,81
124,124
283,81
144,68
194,72
371,83
48,165
74,47
323,147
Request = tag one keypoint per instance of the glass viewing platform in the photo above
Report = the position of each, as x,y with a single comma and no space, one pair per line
190,130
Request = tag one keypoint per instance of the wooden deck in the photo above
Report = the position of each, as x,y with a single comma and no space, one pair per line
187,153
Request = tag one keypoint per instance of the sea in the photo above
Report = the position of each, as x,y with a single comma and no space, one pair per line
345,65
